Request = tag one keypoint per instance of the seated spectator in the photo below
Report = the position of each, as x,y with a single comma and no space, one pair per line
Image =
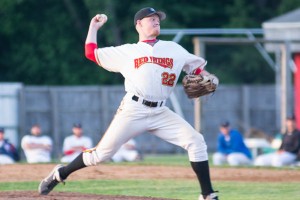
288,150
275,143
128,152
37,147
231,148
8,153
75,144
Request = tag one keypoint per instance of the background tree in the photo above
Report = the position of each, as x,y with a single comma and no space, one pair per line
42,42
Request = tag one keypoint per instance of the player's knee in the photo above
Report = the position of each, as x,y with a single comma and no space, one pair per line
98,154
277,162
197,148
233,160
218,158
259,162
197,142
90,158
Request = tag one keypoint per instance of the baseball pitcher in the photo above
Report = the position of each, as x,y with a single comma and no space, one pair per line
151,68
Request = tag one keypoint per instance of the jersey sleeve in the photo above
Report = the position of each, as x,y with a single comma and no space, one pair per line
66,144
48,141
112,58
192,61
24,141
89,143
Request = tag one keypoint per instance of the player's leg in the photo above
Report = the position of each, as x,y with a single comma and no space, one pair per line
236,159
172,128
264,160
131,155
219,158
118,156
283,159
126,124
4,159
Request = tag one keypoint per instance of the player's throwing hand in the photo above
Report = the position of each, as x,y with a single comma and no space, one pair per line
98,21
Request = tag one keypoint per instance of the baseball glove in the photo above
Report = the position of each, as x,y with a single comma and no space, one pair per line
199,85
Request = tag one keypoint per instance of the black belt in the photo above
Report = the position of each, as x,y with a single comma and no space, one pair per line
147,103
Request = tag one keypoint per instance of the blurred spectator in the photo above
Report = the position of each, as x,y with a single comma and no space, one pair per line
231,148
75,144
8,153
288,150
128,152
37,147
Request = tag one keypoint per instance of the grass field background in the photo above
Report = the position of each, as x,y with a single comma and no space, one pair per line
171,188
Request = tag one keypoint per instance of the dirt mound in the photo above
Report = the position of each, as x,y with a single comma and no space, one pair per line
29,195
36,172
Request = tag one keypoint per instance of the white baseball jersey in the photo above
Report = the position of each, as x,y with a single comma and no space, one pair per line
73,141
37,155
149,72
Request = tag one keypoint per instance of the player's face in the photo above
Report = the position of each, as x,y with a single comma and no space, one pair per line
151,26
290,125
1,136
36,130
224,130
77,131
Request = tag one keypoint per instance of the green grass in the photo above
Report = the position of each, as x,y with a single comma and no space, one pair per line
177,189
161,160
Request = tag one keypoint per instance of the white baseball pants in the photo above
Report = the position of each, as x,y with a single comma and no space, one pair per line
233,159
134,118
275,159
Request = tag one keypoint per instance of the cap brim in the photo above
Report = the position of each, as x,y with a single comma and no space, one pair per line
162,15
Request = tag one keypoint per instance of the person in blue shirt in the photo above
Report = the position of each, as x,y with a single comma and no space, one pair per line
231,148
8,153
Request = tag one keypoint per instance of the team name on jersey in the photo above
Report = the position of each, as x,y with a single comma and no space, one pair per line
163,62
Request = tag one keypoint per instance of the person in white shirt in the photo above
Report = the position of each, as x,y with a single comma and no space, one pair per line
128,152
37,147
75,144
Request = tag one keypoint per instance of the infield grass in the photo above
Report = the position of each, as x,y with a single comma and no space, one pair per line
176,189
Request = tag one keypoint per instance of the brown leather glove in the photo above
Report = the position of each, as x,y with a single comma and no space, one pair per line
199,85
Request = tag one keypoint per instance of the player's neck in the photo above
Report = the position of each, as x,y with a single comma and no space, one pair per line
150,40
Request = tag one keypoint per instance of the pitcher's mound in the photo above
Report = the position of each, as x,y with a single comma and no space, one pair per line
29,195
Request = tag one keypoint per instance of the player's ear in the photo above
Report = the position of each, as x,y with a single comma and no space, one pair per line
139,22
138,25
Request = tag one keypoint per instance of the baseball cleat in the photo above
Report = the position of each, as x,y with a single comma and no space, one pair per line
212,196
50,181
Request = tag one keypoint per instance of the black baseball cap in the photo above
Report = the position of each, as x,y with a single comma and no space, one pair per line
291,117
77,125
225,124
146,12
1,130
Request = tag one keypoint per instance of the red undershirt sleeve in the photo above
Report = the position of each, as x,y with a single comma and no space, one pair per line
89,51
197,71
69,152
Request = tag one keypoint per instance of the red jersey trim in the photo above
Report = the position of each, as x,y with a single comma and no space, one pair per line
149,41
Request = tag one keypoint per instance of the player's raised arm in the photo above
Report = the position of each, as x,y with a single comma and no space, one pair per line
91,39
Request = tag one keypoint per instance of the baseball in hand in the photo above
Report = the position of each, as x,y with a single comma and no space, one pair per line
102,18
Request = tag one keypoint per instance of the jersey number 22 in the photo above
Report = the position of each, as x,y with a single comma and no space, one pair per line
168,79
